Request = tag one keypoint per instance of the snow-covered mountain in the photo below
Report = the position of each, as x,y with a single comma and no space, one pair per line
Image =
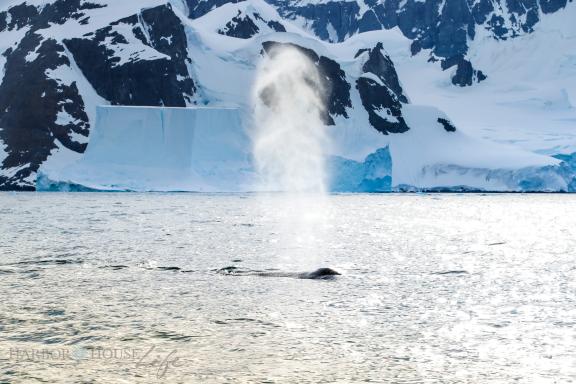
61,59
445,27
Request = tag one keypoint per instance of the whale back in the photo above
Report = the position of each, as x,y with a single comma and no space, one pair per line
320,273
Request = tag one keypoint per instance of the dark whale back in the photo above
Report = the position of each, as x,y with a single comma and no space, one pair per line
321,273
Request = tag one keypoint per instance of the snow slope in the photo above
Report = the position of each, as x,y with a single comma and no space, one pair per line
528,99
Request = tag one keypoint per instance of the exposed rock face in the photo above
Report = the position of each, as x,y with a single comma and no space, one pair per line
447,125
139,60
39,110
465,73
241,26
380,91
245,26
443,26
440,25
201,7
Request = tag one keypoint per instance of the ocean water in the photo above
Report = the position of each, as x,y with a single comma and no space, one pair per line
124,288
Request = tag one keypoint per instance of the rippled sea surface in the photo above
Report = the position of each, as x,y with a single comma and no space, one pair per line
123,288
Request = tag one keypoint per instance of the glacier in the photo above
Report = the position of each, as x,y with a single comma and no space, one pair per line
196,149
158,149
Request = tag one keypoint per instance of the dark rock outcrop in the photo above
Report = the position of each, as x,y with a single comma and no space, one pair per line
38,110
381,93
446,124
243,26
200,8
465,74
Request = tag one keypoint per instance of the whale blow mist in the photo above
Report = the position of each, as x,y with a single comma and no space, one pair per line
290,148
290,138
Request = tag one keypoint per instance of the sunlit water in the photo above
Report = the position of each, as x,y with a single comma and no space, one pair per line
84,297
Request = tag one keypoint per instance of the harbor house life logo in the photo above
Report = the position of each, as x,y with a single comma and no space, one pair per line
155,361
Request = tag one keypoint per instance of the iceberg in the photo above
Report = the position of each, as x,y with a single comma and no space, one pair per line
374,174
